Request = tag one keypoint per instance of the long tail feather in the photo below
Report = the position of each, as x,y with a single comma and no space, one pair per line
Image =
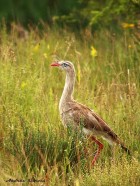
125,149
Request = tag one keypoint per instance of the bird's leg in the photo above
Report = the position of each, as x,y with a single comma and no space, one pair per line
99,149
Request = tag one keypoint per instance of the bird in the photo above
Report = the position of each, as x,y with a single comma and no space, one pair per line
74,113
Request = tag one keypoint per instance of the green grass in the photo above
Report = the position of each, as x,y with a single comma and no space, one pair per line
34,144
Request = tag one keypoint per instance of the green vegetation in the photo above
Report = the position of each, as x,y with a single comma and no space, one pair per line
34,144
71,13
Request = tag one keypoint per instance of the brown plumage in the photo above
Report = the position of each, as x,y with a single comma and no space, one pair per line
73,113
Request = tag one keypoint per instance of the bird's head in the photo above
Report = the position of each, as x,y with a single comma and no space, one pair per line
64,65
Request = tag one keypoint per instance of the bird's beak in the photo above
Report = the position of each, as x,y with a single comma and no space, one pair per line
55,64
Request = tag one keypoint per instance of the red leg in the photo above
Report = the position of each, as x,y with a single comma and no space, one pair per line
99,149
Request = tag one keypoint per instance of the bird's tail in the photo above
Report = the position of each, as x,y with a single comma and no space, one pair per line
125,148
116,140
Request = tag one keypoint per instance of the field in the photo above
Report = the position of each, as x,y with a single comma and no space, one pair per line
34,145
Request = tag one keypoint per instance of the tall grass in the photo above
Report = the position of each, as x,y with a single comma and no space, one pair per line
34,144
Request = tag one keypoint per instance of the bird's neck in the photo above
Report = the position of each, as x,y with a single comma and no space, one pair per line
68,90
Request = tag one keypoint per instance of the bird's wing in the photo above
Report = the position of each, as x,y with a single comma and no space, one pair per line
90,119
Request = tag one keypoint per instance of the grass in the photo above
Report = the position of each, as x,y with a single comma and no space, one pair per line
34,144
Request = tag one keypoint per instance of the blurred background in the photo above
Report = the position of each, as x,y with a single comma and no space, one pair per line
74,14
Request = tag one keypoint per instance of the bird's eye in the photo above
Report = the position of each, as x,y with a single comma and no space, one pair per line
65,65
